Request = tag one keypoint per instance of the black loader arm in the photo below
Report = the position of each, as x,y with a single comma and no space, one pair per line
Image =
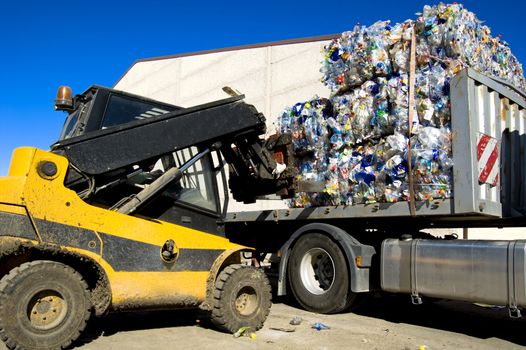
229,126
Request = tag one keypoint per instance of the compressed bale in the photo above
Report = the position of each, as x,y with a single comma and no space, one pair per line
355,142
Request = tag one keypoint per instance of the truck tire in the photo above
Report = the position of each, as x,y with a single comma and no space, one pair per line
319,276
43,305
242,298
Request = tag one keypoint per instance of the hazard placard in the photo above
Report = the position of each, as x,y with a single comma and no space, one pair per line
488,159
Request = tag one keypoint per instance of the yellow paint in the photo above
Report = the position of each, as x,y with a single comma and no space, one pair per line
12,186
21,161
137,286
7,239
49,200
13,209
95,257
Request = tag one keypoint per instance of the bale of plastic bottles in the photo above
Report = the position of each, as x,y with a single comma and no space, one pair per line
355,141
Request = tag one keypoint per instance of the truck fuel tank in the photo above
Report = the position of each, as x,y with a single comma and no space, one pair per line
491,272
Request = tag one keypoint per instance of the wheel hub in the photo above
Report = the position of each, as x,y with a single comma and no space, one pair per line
246,301
317,271
47,309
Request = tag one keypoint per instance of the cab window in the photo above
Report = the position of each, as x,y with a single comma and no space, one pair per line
196,185
121,110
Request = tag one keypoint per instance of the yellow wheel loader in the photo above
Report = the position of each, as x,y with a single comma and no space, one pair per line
126,211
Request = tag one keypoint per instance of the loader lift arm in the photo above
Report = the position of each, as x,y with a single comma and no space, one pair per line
136,138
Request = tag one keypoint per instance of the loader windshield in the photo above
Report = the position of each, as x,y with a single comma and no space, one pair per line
70,126
102,108
122,109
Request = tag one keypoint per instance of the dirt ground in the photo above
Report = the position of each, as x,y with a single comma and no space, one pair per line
383,322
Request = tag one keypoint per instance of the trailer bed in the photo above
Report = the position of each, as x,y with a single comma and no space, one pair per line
479,106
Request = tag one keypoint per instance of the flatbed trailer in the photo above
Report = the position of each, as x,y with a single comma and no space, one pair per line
374,238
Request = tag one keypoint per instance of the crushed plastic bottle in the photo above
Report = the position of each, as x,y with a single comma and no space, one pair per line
356,141
369,167
320,326
448,35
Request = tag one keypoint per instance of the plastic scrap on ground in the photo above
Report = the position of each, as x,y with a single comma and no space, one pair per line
245,331
296,321
320,326
355,142
283,329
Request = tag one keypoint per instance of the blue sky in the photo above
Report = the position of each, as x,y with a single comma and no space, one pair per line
44,44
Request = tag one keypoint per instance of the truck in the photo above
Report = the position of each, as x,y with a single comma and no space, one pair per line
128,211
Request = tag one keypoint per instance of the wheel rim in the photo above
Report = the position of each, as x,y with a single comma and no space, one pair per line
47,309
317,271
246,301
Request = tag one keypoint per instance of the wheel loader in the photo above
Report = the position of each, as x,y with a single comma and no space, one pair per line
125,212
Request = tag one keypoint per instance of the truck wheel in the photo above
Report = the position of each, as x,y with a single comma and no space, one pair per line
319,276
242,298
43,305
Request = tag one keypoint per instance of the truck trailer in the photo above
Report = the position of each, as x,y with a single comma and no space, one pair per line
128,211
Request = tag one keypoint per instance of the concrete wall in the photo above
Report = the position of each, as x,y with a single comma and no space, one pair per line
271,77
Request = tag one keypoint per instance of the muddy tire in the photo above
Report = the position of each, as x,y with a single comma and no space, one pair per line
43,305
319,276
242,298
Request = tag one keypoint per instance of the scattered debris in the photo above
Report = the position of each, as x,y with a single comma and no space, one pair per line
241,331
320,326
493,307
296,321
283,329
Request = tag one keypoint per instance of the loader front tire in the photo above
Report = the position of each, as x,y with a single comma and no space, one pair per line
242,298
43,305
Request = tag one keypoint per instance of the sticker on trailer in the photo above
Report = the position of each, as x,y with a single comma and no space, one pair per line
488,159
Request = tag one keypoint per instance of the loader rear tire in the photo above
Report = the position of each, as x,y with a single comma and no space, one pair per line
43,305
242,298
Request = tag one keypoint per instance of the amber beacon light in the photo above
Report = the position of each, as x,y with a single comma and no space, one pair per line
64,100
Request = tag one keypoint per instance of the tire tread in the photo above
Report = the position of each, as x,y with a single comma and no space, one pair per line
7,284
341,297
218,316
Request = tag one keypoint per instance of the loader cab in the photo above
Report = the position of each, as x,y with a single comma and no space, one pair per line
193,201
101,108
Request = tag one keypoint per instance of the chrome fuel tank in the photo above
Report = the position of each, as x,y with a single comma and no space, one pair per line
491,272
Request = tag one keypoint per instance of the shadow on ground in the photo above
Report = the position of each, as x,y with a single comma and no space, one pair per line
452,316
141,320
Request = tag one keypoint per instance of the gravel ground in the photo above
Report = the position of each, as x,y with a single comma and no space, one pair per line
383,322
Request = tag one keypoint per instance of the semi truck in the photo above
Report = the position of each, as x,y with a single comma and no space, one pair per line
128,211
